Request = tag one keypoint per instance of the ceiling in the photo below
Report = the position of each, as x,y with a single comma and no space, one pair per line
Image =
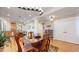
61,13
16,14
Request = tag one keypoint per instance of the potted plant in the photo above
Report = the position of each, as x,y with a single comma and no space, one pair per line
3,39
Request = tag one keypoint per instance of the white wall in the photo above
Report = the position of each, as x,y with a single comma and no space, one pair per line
33,26
5,25
38,27
77,27
49,23
28,27
67,29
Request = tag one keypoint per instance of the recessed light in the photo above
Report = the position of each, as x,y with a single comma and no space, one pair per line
29,15
8,14
51,18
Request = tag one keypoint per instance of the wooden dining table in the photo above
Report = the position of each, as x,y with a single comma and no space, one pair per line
36,43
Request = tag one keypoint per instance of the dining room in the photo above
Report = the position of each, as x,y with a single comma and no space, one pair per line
42,29
22,30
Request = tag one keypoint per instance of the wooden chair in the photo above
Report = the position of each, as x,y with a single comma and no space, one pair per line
30,35
17,39
45,43
44,47
9,33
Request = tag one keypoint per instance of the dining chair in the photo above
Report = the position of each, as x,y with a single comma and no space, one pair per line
30,35
19,42
17,38
45,43
44,46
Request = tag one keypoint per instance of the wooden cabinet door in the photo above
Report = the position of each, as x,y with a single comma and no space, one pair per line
13,26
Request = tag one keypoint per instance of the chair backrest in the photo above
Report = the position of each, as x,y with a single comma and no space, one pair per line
9,33
30,35
17,38
45,43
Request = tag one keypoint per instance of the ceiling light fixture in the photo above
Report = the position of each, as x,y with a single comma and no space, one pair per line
39,10
29,15
8,14
51,18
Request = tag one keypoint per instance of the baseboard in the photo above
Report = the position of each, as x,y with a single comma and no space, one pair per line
65,41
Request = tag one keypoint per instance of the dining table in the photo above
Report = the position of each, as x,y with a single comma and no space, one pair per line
30,43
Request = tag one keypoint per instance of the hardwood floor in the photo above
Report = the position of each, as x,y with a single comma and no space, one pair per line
65,46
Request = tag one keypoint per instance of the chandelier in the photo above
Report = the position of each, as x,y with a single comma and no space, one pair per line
39,10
